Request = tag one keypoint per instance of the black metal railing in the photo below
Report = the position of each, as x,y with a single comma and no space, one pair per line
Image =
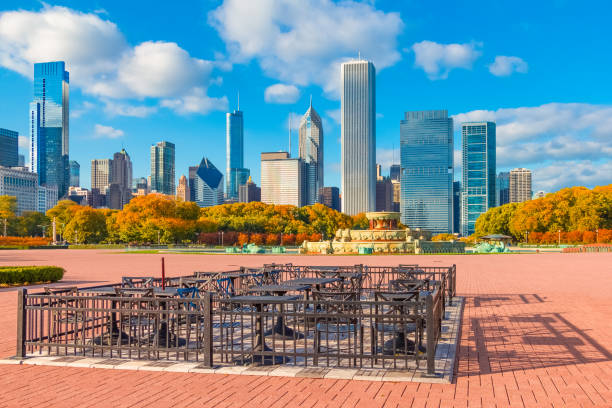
388,317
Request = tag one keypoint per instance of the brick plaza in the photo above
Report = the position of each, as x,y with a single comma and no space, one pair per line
536,331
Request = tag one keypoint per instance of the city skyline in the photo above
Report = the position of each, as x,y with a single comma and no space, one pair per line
132,111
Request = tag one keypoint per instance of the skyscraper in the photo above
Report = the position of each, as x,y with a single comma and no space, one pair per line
358,136
121,175
330,196
208,184
520,185
9,154
75,173
384,194
282,179
49,125
426,148
394,172
183,192
101,174
456,207
249,192
22,185
311,153
502,188
162,168
479,172
235,172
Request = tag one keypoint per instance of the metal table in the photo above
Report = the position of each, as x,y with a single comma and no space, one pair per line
260,345
280,329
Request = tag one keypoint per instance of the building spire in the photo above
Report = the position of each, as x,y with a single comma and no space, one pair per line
289,134
310,101
238,99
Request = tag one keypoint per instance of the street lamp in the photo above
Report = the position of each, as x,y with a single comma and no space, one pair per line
281,239
221,238
597,235
559,237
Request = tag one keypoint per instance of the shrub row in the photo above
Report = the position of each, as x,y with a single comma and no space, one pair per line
30,274
23,242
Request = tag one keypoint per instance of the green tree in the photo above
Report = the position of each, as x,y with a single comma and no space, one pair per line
87,226
31,224
8,208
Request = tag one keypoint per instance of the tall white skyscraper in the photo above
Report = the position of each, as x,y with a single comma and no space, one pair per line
311,152
358,137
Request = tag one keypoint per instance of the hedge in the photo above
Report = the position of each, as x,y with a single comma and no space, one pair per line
30,274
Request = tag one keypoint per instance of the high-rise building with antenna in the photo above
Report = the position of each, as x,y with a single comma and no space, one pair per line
236,173
358,136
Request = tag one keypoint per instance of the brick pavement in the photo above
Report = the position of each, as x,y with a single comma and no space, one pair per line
536,331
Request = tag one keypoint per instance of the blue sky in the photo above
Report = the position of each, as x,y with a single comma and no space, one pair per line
151,72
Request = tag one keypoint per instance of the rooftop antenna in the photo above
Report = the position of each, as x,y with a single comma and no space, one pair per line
238,100
289,134
359,55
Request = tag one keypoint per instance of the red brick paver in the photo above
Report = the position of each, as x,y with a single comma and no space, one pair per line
536,332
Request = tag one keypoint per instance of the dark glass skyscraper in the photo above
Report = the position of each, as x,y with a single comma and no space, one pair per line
426,148
9,155
162,168
235,172
479,172
75,173
49,125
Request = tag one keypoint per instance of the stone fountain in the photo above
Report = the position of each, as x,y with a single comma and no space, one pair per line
382,236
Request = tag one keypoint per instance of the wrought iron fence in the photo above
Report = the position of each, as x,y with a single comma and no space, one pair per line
389,328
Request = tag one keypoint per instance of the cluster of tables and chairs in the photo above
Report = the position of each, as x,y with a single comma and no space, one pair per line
268,315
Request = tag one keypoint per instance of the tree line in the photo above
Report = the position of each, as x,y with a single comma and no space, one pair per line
572,215
157,218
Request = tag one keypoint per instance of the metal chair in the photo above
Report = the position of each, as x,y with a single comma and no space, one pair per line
337,314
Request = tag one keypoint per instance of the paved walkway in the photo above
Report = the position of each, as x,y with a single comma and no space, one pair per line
536,331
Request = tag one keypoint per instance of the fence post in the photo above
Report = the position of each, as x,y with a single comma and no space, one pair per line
207,338
21,323
431,340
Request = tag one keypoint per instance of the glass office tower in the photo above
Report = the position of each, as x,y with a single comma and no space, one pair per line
311,153
502,187
235,172
9,155
358,136
162,168
479,172
426,148
49,125
75,173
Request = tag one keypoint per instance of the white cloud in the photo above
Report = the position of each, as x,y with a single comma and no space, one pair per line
437,60
552,139
79,111
100,60
387,157
281,93
23,142
196,102
583,173
303,42
334,114
101,131
504,66
114,108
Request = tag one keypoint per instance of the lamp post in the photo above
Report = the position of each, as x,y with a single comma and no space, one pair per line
597,235
559,237
281,239
221,238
